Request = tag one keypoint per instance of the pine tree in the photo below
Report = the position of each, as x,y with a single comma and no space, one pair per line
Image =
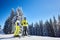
30,27
55,26
6,29
58,33
8,24
51,30
36,28
45,28
12,14
41,28
11,18
0,27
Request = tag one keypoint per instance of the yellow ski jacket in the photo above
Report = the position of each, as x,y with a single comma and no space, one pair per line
24,23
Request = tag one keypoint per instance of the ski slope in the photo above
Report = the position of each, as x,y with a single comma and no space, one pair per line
10,37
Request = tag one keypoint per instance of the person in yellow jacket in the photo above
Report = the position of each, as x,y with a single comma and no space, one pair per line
17,29
24,23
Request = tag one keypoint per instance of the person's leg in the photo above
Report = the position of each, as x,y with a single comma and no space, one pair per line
26,30
23,31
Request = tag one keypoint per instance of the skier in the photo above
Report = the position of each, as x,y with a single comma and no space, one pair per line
17,29
24,23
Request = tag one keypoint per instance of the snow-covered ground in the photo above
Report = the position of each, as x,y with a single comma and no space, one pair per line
10,37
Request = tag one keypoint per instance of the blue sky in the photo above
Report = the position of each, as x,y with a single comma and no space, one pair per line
34,10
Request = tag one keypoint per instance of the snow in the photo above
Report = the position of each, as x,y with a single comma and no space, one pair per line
10,37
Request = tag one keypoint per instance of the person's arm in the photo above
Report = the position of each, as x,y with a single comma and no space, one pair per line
27,24
21,23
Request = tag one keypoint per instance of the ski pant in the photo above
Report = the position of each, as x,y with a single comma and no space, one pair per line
24,30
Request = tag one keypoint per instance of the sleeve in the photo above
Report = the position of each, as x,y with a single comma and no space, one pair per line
21,23
27,22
